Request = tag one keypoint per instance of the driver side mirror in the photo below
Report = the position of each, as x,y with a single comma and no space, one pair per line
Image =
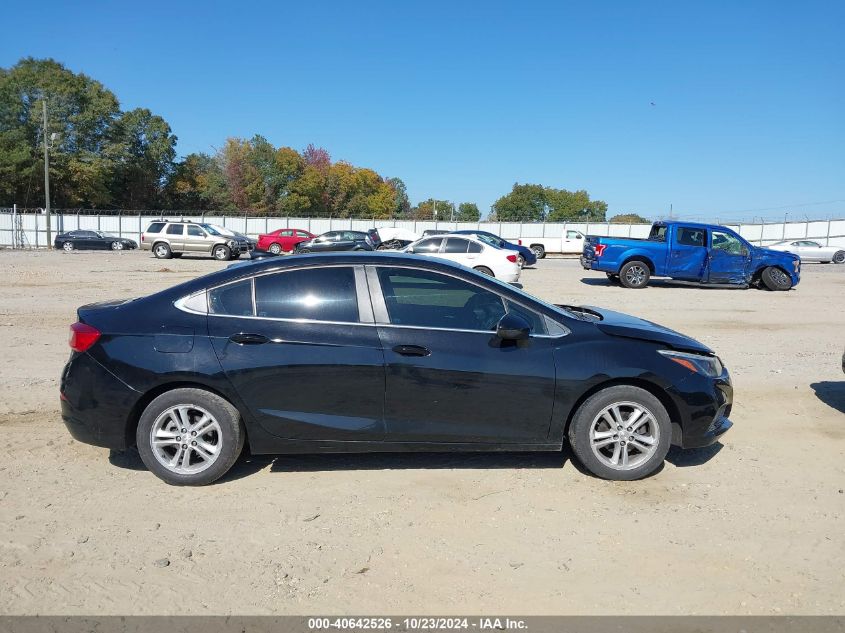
744,252
513,327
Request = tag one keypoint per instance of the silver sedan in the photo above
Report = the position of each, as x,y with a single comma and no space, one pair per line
810,251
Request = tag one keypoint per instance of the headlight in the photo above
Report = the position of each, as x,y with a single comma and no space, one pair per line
708,365
232,243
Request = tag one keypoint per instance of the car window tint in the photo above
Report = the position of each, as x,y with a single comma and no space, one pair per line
691,237
233,299
301,234
572,235
726,242
286,233
155,227
321,294
428,299
456,245
196,231
474,247
175,229
429,246
537,323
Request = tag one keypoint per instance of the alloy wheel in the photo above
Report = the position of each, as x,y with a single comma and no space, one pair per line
186,439
624,435
68,246
117,246
635,275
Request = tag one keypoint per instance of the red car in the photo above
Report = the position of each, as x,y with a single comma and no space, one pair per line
282,240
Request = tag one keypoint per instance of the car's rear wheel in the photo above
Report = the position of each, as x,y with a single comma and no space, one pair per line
622,432
635,274
117,246
162,251
303,250
275,248
839,257
776,279
221,253
538,250
67,246
485,270
520,260
189,437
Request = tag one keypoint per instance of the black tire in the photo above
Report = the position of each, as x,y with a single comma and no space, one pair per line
539,250
839,257
275,248
230,438
221,253
520,260
162,250
117,246
634,274
775,278
658,425
304,250
485,271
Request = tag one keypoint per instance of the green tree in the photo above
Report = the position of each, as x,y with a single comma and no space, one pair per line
525,203
468,212
628,218
425,210
566,205
401,202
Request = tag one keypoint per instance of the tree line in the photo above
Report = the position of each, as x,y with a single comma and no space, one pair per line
105,158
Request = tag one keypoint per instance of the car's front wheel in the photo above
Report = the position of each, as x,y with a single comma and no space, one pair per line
622,432
839,257
189,437
117,246
221,253
776,279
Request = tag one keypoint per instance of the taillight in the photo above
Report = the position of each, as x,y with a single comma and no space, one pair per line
82,336
142,237
519,242
512,258
600,249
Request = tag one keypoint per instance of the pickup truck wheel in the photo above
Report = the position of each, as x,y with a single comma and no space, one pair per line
839,257
634,274
621,432
538,250
776,279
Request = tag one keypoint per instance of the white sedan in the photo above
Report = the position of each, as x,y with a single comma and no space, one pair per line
472,252
810,251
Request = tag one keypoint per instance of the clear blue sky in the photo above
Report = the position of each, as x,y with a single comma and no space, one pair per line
462,99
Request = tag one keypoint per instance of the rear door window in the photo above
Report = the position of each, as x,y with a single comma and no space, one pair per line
456,245
474,247
175,229
687,236
317,294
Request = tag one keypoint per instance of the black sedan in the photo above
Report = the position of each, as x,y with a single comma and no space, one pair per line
340,241
92,240
381,352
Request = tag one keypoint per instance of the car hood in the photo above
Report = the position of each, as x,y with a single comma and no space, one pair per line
625,325
771,252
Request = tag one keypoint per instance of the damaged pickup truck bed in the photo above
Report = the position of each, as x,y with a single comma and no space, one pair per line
703,253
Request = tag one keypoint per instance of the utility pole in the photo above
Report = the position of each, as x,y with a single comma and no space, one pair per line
47,178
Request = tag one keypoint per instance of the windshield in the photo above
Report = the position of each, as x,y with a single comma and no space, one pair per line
210,229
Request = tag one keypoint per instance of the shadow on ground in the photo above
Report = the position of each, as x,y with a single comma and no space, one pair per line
684,458
831,392
662,283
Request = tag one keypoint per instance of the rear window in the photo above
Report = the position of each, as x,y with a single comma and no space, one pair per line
318,294
234,299
155,227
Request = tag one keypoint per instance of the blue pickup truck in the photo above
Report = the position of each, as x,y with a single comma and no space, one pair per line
703,253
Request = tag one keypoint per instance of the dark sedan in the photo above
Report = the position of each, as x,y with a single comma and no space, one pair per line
92,240
381,352
527,257
340,241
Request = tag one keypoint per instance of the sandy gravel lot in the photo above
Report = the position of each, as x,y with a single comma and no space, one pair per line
753,526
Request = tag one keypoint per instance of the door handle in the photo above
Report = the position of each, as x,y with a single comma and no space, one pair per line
249,339
412,350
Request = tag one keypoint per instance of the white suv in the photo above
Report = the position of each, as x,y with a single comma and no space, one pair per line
173,239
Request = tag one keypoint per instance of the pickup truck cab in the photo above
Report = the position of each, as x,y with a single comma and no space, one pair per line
703,253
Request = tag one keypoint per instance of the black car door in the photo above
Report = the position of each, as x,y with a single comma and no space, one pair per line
302,352
325,242
85,240
449,377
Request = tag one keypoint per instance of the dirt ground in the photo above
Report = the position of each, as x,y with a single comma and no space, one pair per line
751,526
